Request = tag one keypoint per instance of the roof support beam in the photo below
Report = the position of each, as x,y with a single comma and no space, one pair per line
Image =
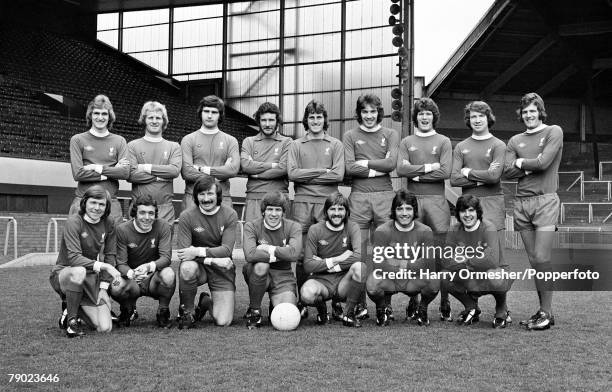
603,63
531,55
557,80
593,28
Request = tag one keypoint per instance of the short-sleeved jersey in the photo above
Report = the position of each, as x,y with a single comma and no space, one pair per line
485,236
307,166
216,232
135,248
166,160
379,148
287,239
326,243
87,149
414,152
256,152
219,151
478,156
541,152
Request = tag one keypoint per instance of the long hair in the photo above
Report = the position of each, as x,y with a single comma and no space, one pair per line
153,106
466,201
212,101
268,107
273,199
101,102
425,104
532,98
143,200
374,101
315,107
333,199
96,192
403,196
479,107
205,183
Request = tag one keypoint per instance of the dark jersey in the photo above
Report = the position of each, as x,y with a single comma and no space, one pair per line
135,248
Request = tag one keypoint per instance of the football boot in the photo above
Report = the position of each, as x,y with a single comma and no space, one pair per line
469,316
185,319
382,319
337,311
163,318
204,305
303,310
534,318
350,320
254,319
74,329
361,312
322,315
412,308
544,321
445,311
421,316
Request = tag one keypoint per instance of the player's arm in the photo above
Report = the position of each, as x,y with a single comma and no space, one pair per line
228,238
108,272
188,170
489,258
119,171
388,164
346,259
79,172
493,174
173,168
249,245
137,176
511,172
457,178
335,173
443,171
281,169
72,239
122,254
247,163
164,247
292,250
232,163
404,167
294,171
351,167
552,146
312,262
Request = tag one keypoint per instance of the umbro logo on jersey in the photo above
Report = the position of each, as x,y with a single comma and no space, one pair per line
153,243
166,154
84,235
199,229
541,142
198,146
262,242
327,150
488,154
465,151
142,154
323,242
276,151
88,148
434,150
220,145
344,240
383,142
132,245
522,145
111,151
412,148
360,142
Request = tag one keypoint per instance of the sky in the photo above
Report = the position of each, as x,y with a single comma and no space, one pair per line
440,26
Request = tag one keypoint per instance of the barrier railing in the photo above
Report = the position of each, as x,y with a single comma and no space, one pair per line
10,220
52,224
601,164
590,207
580,179
608,187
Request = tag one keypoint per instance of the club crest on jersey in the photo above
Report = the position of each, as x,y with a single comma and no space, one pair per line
327,150
323,242
276,151
434,150
413,148
199,229
521,145
132,245
262,242
488,154
111,151
153,243
383,142
360,142
88,148
221,229
166,154
84,235
541,143
142,154
344,240
221,145
198,146
465,151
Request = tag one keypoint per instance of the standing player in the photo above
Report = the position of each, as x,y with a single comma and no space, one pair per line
154,161
333,262
144,249
425,160
402,229
85,264
98,157
533,157
472,231
206,235
316,166
264,159
370,153
270,245
209,151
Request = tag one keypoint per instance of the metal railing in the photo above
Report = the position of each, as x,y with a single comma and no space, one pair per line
590,207
9,220
601,163
52,224
608,187
580,179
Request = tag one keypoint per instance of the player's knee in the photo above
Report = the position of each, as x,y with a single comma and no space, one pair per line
105,325
188,270
167,276
261,269
77,275
308,293
223,321
358,270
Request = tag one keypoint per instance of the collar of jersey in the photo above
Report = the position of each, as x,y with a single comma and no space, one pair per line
213,212
425,134
153,139
375,129
537,129
476,226
332,228
307,137
273,228
138,229
406,229
87,219
482,137
209,132
98,134
261,136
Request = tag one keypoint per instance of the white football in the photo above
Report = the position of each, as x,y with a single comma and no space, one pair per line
285,317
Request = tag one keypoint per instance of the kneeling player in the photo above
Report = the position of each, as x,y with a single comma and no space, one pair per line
332,260
477,236
270,245
206,235
144,250
78,275
401,230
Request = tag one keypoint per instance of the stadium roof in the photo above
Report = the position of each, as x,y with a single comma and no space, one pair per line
552,47
99,6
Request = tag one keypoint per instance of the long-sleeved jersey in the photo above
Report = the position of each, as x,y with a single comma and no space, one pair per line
257,155
478,156
414,152
307,166
379,149
135,248
287,239
485,236
87,149
166,160
219,151
541,152
326,243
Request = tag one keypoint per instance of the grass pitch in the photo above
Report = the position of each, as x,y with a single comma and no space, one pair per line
574,355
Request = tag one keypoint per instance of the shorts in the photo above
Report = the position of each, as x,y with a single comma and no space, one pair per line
368,208
116,211
279,281
145,285
493,210
533,212
307,213
252,210
434,212
166,212
330,281
218,279
91,286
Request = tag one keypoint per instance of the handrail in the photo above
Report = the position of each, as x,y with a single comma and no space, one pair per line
590,207
601,167
10,220
580,178
52,222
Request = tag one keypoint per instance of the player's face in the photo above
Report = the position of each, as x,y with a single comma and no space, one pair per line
145,216
99,119
210,117
425,120
316,122
154,122
531,116
336,214
369,116
273,215
468,217
404,215
94,208
479,122
268,124
208,199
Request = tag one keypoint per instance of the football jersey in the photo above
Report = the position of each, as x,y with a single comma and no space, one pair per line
287,239
325,243
135,248
478,156
258,150
216,232
485,237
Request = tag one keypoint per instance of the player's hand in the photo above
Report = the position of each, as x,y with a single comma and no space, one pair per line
123,162
130,274
274,165
264,247
435,166
362,163
223,262
494,165
142,270
113,272
91,166
188,253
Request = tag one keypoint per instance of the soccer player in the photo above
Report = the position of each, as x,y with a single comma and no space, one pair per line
475,245
205,237
533,157
332,261
144,250
264,159
403,228
85,265
209,151
154,161
425,160
316,166
271,243
99,157
370,153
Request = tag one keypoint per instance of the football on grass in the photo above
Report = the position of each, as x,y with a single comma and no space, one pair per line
285,317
